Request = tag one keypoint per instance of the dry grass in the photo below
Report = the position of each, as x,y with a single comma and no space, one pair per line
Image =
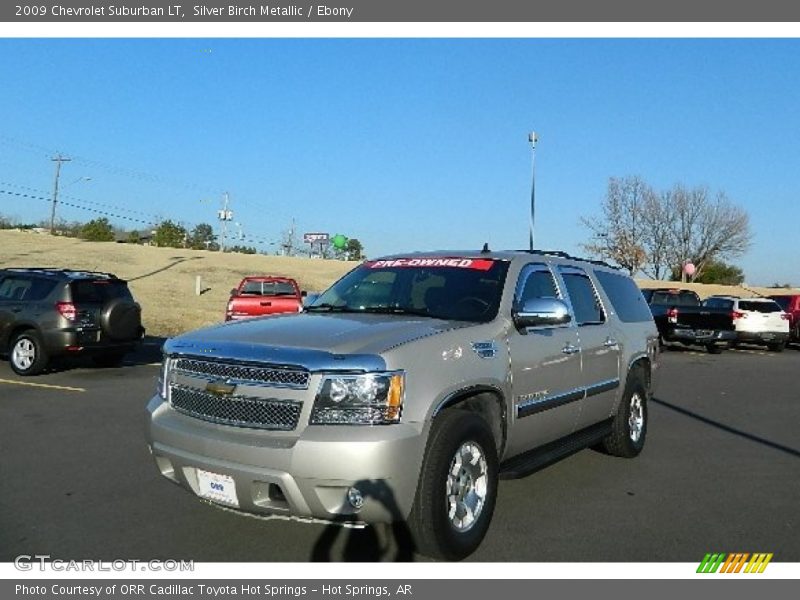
163,279
704,290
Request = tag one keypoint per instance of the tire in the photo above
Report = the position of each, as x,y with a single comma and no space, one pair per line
777,347
121,319
111,359
714,348
629,427
442,522
26,354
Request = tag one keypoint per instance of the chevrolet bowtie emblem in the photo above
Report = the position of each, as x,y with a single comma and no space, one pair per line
220,387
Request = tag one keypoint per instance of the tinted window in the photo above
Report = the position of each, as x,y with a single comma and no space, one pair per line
536,282
783,301
684,298
448,288
98,292
766,306
624,295
585,303
25,288
719,303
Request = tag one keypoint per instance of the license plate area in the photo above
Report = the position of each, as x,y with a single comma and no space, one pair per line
703,333
217,487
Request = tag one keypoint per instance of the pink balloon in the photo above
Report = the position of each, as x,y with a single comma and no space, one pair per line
689,269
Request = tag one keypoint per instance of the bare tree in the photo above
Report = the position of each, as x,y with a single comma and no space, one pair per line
704,229
617,232
658,233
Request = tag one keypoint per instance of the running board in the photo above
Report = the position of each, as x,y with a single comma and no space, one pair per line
544,456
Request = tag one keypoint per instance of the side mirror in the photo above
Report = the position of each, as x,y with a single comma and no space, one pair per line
303,293
542,312
233,292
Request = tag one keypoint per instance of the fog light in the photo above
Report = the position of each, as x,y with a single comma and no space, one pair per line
355,498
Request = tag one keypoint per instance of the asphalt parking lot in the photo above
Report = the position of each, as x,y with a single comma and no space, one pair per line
719,473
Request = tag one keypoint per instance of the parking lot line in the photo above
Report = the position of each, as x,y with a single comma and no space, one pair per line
43,385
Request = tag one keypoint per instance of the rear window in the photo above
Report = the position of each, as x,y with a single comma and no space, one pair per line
625,297
783,301
268,288
98,291
685,298
765,306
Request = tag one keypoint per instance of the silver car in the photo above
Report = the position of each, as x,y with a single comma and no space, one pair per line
407,389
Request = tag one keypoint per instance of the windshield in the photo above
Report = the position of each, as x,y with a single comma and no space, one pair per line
461,289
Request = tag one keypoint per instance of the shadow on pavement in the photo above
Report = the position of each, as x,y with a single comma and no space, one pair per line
391,542
728,428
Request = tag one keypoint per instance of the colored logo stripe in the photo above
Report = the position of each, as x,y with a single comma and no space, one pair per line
734,563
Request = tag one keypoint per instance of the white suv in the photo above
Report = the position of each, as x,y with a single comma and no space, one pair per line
756,320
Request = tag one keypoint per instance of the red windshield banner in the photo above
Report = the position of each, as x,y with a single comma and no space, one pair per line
478,264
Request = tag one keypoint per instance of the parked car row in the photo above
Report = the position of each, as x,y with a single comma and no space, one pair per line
722,321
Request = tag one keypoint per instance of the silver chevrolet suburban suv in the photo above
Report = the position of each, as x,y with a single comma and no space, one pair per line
407,389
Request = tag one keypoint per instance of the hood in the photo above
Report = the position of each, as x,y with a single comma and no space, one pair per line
300,338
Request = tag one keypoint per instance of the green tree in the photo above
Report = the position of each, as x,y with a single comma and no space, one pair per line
170,235
354,249
97,230
718,272
203,238
242,249
134,237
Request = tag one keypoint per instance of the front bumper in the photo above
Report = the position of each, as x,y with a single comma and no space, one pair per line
281,474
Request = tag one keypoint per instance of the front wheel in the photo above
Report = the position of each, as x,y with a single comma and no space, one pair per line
778,347
629,427
457,488
27,355
714,348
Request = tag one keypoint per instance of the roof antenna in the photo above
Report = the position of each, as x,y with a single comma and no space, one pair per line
485,249
533,138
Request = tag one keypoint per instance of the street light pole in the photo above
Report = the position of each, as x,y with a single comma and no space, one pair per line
58,160
533,138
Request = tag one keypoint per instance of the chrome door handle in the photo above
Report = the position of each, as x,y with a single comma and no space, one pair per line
610,343
570,349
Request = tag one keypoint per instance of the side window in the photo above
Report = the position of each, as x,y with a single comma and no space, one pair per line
535,281
585,303
15,288
629,304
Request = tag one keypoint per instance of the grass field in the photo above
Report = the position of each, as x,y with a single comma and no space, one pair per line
163,279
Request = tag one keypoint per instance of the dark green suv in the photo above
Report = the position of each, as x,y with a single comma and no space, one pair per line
47,313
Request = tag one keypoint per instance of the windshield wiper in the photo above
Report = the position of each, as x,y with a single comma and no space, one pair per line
397,310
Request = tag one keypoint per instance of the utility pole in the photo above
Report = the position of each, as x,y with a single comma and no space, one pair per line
58,160
533,138
224,215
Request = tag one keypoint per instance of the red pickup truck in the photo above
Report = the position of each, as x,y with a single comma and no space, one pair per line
791,306
259,296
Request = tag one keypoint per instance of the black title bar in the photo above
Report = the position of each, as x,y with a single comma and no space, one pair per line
463,11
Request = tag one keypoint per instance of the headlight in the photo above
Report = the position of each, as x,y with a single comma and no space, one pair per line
163,378
369,399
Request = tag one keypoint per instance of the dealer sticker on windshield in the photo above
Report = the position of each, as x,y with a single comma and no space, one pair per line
478,264
217,487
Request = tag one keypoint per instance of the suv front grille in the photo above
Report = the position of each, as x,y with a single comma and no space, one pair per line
242,411
267,375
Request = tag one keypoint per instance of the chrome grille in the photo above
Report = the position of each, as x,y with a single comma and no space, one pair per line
266,375
242,411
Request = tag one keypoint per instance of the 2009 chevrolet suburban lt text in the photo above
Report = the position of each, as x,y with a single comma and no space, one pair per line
407,389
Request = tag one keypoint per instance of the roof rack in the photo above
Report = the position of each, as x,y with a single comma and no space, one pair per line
60,270
562,254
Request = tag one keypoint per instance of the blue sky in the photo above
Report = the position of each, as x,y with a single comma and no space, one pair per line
405,144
